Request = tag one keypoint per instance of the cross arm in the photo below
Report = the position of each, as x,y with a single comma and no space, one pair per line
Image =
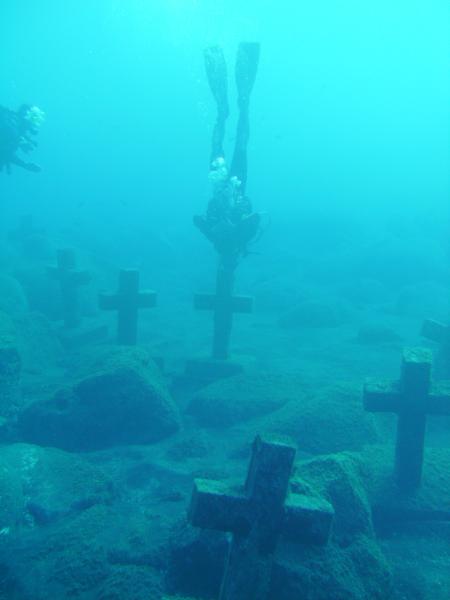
108,301
81,277
74,276
147,299
214,507
307,520
439,399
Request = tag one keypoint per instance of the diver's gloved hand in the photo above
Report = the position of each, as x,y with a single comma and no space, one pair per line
32,167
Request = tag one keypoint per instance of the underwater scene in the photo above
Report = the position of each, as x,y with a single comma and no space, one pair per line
224,300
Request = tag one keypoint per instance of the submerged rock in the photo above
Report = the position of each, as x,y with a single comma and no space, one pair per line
10,368
12,296
328,420
40,486
122,399
240,398
377,334
39,346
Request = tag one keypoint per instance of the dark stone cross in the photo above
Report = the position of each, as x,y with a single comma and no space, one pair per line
127,303
412,398
257,517
70,279
224,304
436,332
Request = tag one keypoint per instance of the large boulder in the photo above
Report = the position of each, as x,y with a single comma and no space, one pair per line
328,420
12,296
40,486
321,421
10,368
39,346
352,565
241,398
120,397
79,527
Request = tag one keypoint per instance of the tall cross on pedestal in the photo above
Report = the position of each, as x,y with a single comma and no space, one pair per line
412,398
127,303
70,279
257,518
224,304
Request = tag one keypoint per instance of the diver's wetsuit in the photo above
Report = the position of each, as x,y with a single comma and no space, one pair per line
15,133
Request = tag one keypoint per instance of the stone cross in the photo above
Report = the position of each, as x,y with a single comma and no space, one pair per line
257,516
224,304
412,398
127,303
436,332
70,279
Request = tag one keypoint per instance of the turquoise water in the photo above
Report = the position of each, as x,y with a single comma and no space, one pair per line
348,168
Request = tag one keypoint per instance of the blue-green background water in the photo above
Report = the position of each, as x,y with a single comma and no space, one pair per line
350,112
349,162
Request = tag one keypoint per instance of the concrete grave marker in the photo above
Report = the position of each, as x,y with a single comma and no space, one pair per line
127,302
224,304
412,398
257,517
70,279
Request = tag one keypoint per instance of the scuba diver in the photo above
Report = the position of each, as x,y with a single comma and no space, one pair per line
17,132
229,223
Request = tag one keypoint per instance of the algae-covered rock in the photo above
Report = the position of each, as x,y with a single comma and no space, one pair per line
122,398
351,566
241,398
377,333
193,552
12,296
10,368
392,508
342,480
39,347
131,582
40,486
329,420
358,572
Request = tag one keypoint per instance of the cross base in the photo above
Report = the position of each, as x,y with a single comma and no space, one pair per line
391,507
207,370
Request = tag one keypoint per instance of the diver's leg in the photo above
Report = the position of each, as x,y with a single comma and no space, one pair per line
246,69
216,71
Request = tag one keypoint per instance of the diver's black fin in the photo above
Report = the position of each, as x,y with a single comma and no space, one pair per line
246,68
217,73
